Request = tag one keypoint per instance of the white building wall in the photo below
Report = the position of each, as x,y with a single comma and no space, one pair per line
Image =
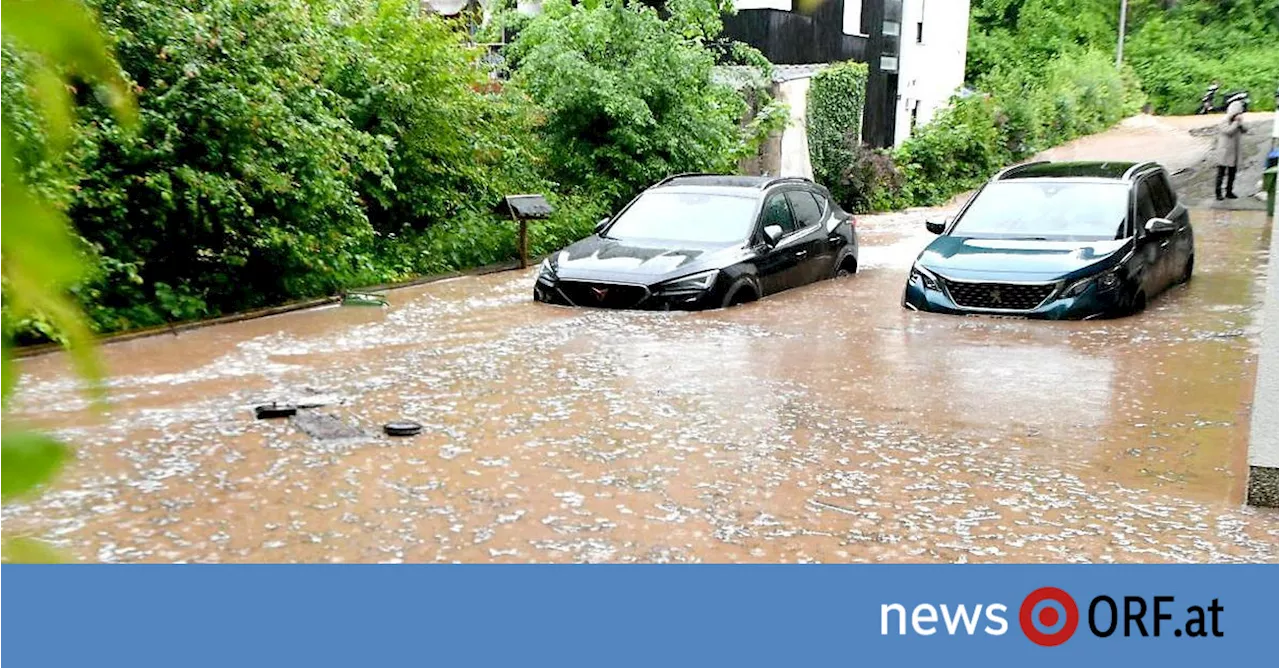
781,5
795,138
934,43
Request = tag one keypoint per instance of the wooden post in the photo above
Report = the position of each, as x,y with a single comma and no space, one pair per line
521,208
523,240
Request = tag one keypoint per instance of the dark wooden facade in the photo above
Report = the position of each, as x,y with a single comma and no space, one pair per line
792,38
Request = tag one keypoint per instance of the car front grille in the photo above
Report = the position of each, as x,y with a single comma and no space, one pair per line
603,295
1003,296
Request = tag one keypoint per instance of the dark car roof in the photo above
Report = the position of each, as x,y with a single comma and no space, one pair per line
728,181
1122,171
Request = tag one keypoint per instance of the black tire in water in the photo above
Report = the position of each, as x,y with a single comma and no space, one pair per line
740,293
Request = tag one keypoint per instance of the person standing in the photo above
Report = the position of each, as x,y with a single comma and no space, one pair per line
1229,150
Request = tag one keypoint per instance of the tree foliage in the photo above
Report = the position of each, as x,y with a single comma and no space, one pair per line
293,148
1177,47
627,97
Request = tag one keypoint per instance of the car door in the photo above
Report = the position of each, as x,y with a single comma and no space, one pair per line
1148,246
813,255
777,264
1180,245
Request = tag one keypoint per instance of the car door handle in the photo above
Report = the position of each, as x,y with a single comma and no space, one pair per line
802,253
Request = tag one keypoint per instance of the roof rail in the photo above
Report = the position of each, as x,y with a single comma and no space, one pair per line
673,177
1139,167
1004,173
784,179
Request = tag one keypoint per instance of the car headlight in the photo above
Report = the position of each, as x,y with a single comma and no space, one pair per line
546,272
692,283
1107,280
925,277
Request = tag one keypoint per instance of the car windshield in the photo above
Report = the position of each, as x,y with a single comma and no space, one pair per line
695,217
1050,210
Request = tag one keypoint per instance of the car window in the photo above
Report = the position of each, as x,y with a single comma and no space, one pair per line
822,204
1161,195
776,212
806,209
685,216
1046,209
1146,206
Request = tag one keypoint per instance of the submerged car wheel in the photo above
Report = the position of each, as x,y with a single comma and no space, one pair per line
740,293
1139,303
1187,271
848,267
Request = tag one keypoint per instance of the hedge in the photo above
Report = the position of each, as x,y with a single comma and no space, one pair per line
833,117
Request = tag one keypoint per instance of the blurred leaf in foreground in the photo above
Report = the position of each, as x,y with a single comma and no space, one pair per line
41,261
29,551
28,459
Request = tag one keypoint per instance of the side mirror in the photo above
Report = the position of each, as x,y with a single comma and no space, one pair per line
604,222
772,233
1161,226
936,226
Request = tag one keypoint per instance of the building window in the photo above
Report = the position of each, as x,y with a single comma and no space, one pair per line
920,31
853,17
892,28
889,63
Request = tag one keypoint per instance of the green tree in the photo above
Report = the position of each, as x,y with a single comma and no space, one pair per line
628,97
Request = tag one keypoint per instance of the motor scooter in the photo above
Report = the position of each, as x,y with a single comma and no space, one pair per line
1209,105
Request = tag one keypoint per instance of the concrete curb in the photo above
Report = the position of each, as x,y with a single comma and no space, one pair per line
1264,429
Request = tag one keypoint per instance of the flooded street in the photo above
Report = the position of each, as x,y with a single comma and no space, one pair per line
824,424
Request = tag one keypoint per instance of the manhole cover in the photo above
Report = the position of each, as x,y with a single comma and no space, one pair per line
402,428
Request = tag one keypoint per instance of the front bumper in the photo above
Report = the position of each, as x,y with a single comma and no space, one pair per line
556,292
1090,304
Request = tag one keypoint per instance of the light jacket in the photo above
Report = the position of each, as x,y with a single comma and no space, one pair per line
1228,149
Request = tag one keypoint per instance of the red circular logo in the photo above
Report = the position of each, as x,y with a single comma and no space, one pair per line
1048,616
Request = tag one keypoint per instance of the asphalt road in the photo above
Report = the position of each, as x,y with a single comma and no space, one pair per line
823,424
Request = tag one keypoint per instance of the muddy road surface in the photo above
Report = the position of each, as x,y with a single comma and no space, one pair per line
823,424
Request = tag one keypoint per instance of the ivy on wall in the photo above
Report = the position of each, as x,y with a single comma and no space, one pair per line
834,118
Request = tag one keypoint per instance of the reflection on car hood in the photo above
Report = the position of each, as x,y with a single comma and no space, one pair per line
640,261
964,257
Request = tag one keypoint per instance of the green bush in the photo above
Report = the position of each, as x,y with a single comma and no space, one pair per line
285,150
627,97
1175,48
1019,113
833,116
293,148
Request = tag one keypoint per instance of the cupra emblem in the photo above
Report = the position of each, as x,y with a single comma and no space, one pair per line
600,293
995,296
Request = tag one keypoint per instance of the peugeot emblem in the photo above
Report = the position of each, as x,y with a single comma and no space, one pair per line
995,296
600,293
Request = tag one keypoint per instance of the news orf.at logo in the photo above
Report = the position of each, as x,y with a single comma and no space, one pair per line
1048,616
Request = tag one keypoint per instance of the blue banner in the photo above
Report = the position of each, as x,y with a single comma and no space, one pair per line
1021,615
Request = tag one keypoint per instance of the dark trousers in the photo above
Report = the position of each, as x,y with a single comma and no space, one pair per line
1228,173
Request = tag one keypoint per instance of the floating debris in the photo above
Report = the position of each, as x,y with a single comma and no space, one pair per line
363,299
325,426
275,410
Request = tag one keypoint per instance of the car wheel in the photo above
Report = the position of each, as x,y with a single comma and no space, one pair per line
847,267
1139,303
1187,271
740,293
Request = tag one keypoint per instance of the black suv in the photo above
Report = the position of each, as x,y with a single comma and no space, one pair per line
696,241
1064,240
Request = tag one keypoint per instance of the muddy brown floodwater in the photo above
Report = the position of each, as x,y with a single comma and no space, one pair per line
823,424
